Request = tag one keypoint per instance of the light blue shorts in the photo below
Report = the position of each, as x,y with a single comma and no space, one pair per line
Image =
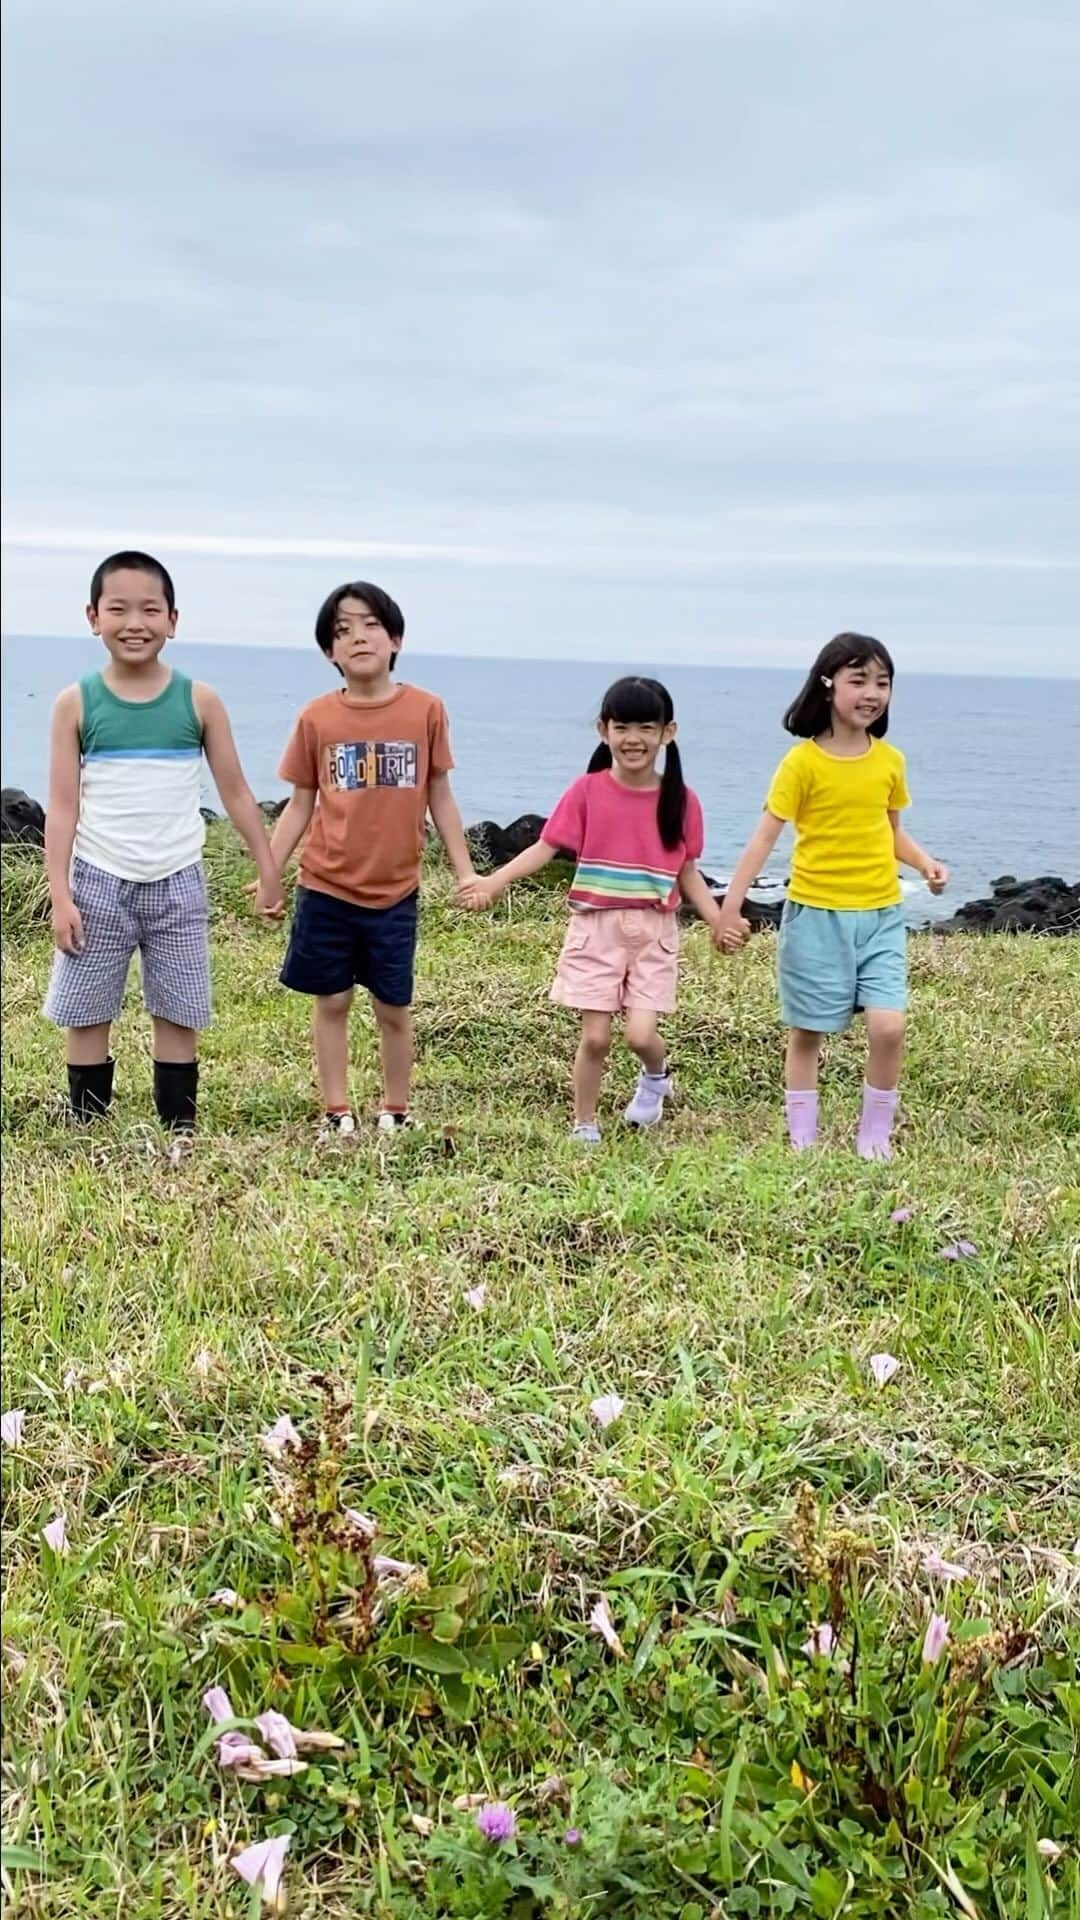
833,963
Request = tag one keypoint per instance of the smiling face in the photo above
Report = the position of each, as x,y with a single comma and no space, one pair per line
132,616
361,646
860,694
635,744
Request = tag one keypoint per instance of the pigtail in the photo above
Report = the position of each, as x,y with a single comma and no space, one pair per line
671,805
601,759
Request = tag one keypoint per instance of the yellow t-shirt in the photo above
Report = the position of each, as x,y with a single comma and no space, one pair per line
844,855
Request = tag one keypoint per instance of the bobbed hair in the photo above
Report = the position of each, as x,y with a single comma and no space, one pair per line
810,713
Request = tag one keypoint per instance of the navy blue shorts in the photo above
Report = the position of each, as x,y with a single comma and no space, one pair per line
334,945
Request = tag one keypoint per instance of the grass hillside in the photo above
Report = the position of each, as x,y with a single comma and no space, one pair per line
756,1488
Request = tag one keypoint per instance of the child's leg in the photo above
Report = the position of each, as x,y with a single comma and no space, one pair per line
396,1054
331,1035
885,1034
643,1038
801,1064
882,991
176,1075
88,1046
385,953
589,1064
89,1071
86,990
802,1060
174,949
646,1108
816,977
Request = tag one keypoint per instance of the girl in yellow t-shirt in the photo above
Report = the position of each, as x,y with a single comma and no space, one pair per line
842,936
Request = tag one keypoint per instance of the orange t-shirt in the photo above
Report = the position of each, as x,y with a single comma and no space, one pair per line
371,764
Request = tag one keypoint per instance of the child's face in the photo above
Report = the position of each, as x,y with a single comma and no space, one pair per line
861,694
132,617
362,648
635,744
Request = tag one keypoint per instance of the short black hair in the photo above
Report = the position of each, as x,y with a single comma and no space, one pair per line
386,611
135,563
810,713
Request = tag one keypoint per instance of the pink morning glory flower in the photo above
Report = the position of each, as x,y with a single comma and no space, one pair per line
937,1639
607,1408
55,1534
822,1642
280,1439
882,1368
262,1866
940,1569
601,1622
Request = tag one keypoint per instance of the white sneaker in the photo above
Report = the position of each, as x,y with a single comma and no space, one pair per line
336,1126
587,1133
394,1122
647,1106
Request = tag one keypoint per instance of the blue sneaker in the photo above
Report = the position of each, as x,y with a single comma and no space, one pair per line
647,1106
587,1133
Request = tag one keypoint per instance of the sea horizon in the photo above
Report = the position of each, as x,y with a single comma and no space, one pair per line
987,797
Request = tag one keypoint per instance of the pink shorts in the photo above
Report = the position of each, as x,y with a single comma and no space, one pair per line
618,958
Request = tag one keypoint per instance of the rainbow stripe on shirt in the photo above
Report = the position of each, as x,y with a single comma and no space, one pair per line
608,884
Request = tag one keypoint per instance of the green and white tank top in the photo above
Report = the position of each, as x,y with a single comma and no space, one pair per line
139,812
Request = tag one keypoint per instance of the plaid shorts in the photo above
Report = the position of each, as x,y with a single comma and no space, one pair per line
165,919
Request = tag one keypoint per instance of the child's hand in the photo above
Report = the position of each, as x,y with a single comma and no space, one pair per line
730,932
476,893
67,927
269,900
936,876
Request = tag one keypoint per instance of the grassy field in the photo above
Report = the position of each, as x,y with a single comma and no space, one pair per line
757,1485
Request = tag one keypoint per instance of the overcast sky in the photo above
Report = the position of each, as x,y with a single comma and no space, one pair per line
694,329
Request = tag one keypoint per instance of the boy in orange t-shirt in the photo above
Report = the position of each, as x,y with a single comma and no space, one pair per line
367,764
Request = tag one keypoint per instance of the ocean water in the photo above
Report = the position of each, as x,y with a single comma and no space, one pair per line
992,764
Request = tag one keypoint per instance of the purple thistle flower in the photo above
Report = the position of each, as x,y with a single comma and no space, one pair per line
900,1216
959,1250
572,1837
496,1821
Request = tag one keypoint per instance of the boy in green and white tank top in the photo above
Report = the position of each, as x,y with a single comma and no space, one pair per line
123,842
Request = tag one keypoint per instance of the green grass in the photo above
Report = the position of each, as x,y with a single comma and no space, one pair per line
730,1294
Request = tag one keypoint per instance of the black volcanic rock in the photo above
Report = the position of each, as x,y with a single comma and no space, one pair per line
21,819
1046,905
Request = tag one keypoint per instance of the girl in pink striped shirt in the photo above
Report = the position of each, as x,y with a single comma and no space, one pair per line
636,834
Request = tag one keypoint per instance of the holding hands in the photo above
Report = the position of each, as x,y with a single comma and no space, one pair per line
269,898
477,892
730,931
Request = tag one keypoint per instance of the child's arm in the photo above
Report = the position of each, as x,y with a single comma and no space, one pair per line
236,796
934,872
444,810
733,929
62,817
485,890
697,895
292,823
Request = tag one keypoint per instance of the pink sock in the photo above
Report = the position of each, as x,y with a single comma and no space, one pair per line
801,1110
875,1125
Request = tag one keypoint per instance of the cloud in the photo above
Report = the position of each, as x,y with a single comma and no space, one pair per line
749,311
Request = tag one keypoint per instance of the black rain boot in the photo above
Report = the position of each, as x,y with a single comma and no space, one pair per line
176,1086
90,1090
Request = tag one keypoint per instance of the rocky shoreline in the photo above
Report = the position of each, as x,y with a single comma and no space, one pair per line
1046,905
